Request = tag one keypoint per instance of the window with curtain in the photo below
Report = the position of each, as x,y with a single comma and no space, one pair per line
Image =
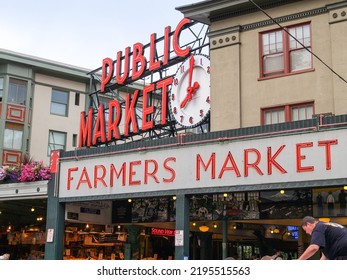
285,51
56,141
17,91
287,113
13,136
59,102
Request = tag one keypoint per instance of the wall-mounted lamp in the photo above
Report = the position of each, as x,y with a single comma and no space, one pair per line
215,225
204,228
194,224
225,195
324,220
174,197
281,191
129,200
276,230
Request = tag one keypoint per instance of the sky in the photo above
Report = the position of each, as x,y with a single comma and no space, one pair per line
83,32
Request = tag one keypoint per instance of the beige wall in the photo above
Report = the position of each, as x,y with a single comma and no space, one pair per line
237,94
43,121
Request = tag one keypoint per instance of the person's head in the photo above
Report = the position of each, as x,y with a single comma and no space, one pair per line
277,253
308,223
266,257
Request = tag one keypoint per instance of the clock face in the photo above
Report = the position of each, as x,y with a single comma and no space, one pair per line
190,92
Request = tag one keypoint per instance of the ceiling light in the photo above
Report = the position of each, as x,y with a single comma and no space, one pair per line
204,228
324,220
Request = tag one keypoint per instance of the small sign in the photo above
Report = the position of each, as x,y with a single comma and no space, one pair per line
50,234
178,237
54,161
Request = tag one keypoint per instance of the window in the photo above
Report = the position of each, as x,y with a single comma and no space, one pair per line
77,99
1,88
284,51
287,113
274,115
13,136
301,112
74,140
17,91
59,103
56,141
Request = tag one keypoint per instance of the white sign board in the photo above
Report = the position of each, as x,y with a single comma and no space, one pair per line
292,158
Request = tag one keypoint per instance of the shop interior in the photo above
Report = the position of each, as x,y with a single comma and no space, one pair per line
256,224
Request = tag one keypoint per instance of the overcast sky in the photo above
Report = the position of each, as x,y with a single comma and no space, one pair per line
83,32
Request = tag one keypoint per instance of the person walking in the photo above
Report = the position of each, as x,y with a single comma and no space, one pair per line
320,204
331,203
330,238
342,201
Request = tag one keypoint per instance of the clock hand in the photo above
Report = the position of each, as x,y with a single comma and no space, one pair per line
190,73
190,92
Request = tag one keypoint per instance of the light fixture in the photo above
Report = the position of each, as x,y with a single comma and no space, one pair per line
129,200
324,220
174,197
204,228
215,225
276,230
234,227
345,188
32,209
225,195
194,224
281,191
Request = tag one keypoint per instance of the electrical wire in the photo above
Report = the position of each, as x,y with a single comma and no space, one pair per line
285,30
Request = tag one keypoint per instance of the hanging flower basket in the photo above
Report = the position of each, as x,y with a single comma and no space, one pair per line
29,172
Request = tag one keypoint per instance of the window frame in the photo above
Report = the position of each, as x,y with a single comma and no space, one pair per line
49,148
13,127
18,98
286,51
287,108
56,90
1,87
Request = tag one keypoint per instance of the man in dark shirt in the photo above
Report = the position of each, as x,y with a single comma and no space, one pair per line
330,238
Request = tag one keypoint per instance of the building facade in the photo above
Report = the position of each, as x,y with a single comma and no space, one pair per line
276,151
274,61
40,108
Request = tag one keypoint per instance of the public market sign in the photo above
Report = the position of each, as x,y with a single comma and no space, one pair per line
320,155
118,72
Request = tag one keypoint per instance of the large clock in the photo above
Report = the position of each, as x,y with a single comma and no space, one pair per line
190,92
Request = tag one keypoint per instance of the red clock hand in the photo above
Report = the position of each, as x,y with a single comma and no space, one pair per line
190,73
190,92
